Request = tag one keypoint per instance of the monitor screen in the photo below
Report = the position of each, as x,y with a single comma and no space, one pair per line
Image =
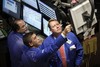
32,17
12,8
32,3
46,29
47,10
77,16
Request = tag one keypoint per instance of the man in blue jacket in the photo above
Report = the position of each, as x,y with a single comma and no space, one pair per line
37,57
73,48
15,41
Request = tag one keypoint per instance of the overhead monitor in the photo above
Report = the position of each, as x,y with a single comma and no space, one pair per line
77,15
11,7
32,3
47,10
46,29
32,17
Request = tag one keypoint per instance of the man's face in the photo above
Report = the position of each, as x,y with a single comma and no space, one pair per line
36,41
55,27
23,26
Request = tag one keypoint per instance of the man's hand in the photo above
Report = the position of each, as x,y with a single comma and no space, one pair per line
67,29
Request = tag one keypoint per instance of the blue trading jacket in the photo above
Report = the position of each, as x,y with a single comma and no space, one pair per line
37,57
73,49
16,47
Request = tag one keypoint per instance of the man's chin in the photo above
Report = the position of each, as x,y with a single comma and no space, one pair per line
59,31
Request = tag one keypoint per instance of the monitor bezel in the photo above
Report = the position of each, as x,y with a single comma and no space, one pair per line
80,21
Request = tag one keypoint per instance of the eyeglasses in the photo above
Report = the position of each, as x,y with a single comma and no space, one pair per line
24,26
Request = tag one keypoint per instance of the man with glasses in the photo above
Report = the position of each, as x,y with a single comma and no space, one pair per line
15,41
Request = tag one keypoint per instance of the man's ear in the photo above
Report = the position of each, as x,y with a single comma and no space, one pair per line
30,44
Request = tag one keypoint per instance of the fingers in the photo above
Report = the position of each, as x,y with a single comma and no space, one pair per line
68,28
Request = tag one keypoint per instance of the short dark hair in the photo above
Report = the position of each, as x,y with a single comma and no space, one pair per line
14,25
27,38
51,21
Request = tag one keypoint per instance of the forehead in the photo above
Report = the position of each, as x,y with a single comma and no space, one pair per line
33,36
21,23
53,22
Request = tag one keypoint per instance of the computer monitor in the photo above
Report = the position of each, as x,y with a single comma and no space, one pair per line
77,15
48,9
12,8
46,29
32,17
32,3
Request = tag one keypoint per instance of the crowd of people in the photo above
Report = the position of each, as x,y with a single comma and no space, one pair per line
28,50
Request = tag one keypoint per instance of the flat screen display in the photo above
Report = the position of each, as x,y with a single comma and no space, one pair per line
32,3
46,29
12,8
32,17
47,10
